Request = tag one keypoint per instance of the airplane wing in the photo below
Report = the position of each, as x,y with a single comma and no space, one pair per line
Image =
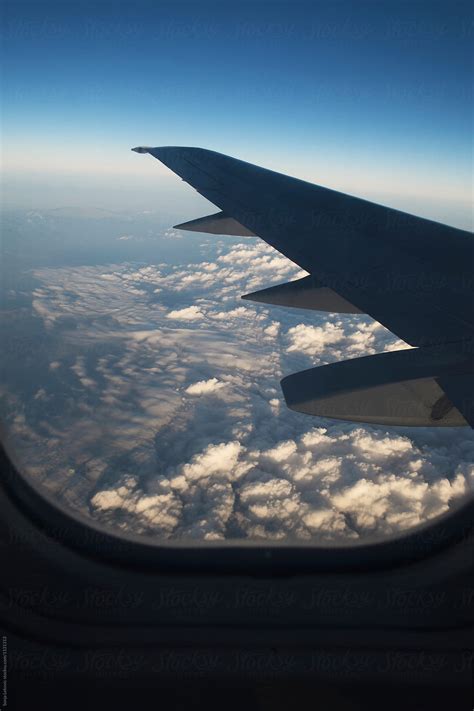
413,275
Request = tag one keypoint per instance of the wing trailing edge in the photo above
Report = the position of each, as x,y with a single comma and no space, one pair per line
217,224
305,293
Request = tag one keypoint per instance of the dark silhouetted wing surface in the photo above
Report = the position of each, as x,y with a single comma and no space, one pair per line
411,274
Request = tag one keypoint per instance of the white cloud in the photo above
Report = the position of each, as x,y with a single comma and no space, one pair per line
162,511
313,339
217,459
192,313
272,330
205,387
133,439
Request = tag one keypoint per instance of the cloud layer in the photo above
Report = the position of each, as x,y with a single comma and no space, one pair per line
157,408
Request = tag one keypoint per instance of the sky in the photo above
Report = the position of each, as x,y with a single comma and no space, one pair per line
371,98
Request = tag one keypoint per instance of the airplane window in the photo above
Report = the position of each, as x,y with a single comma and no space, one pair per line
139,389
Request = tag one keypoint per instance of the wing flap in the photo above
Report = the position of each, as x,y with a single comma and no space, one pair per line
397,388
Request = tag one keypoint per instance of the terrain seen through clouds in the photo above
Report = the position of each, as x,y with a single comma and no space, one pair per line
141,391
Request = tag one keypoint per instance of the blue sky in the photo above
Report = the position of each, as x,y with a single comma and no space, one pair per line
370,98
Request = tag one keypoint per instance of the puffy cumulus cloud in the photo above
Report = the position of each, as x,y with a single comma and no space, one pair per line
190,314
205,387
156,408
313,339
239,312
270,507
272,330
382,448
338,338
282,451
322,483
216,459
161,511
258,255
392,502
